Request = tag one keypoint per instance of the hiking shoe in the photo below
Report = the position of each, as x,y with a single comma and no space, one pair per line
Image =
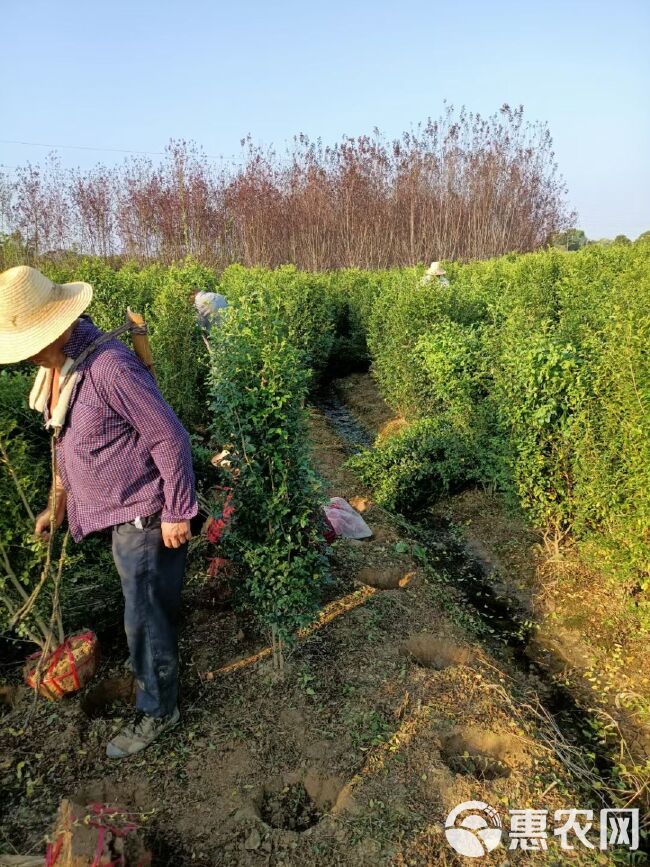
138,736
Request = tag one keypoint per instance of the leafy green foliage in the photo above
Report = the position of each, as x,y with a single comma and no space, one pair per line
259,384
180,355
352,293
164,296
420,464
404,313
535,387
539,365
302,302
90,587
611,465
115,288
25,445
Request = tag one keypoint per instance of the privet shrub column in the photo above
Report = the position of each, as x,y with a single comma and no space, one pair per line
304,303
179,353
258,391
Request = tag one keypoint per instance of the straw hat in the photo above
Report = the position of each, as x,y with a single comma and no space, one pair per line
34,311
436,270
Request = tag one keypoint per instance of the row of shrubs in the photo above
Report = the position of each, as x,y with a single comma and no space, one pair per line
248,394
526,374
530,375
314,308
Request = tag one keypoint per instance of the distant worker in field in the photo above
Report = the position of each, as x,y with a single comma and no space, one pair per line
209,309
124,463
435,274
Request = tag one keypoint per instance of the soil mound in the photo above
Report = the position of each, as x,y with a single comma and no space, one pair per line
434,652
387,578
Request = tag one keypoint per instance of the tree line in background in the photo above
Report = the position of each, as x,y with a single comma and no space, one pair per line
575,239
460,187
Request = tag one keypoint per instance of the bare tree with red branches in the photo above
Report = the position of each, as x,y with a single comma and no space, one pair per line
459,187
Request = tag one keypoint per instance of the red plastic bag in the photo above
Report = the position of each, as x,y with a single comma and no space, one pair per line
329,533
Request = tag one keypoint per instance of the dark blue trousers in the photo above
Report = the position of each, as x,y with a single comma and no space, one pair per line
152,579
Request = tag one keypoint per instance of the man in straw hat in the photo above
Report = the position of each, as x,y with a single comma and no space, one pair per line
123,462
435,273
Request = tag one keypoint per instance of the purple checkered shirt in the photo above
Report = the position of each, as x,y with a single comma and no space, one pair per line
122,453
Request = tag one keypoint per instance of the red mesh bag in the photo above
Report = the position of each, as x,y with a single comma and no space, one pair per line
66,669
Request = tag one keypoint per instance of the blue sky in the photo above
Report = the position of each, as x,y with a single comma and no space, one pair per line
133,74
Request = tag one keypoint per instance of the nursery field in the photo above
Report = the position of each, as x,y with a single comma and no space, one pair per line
487,643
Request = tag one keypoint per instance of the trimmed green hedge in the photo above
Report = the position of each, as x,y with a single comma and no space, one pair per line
303,302
540,365
259,385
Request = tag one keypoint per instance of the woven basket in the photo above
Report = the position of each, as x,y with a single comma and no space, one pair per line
66,669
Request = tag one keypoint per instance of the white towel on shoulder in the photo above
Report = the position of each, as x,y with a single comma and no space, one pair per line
42,388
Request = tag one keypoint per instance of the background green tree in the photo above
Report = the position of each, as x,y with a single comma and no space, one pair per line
571,239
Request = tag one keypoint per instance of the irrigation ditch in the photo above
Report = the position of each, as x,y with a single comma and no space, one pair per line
507,631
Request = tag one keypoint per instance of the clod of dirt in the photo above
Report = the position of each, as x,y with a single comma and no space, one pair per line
435,652
384,535
361,504
388,578
322,789
136,794
290,809
559,650
102,699
9,697
483,754
253,841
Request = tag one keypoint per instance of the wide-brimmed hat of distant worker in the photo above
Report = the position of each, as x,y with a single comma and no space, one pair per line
436,270
34,311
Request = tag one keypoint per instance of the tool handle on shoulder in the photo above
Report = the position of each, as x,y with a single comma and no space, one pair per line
141,341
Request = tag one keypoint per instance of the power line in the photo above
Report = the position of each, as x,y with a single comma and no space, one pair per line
108,150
